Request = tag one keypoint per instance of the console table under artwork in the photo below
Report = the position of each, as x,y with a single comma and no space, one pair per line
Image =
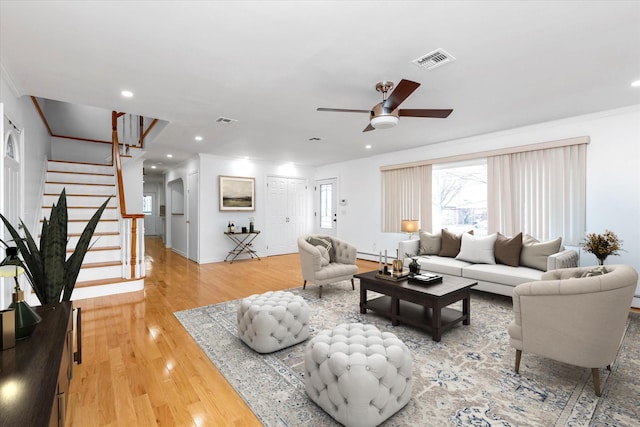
243,244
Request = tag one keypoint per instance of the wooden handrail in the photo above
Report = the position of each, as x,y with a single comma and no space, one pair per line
123,208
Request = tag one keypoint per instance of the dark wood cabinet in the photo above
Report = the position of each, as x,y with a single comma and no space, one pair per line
35,374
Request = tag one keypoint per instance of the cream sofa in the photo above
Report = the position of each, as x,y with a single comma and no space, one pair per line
574,315
491,277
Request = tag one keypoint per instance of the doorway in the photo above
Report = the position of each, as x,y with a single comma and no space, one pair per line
150,211
286,214
326,197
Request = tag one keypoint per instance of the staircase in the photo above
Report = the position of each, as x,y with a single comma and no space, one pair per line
87,186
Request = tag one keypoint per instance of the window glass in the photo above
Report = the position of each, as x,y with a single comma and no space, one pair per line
326,206
147,205
460,196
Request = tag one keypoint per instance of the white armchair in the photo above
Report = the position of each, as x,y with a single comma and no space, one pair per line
326,260
573,319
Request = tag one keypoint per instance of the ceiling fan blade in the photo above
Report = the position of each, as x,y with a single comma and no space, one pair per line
438,114
400,93
343,110
368,128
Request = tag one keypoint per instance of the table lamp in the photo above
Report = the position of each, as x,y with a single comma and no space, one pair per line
26,318
410,226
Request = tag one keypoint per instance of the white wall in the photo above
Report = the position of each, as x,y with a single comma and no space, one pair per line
133,185
613,179
80,151
213,244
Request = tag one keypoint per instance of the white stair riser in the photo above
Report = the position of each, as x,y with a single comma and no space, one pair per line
96,241
80,179
106,190
103,227
82,213
92,200
97,273
79,167
102,256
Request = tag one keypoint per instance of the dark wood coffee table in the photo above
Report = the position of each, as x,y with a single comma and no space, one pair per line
422,306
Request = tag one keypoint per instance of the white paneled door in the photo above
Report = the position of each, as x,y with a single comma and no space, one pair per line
286,214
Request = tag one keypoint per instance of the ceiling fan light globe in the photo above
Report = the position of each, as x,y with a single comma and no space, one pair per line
384,122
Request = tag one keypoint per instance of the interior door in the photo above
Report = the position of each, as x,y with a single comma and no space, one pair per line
11,200
326,215
150,211
286,212
192,216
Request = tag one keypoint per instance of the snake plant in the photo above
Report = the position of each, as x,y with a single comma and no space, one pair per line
47,267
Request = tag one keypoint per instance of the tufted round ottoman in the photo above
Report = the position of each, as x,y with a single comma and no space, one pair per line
357,374
273,320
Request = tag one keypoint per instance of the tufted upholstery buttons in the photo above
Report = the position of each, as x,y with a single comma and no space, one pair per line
357,374
273,320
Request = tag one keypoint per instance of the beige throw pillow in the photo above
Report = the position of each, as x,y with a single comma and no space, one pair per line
534,253
325,255
508,249
450,243
430,243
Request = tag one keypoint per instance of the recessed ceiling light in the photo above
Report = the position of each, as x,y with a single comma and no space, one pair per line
153,167
126,93
636,83
169,155
246,157
368,146
198,138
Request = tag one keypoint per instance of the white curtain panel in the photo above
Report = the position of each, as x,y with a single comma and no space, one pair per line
406,194
541,192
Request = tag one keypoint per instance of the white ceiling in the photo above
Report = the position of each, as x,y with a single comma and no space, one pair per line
271,64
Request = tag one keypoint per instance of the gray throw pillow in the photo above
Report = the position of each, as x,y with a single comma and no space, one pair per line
596,271
534,253
429,243
508,249
326,243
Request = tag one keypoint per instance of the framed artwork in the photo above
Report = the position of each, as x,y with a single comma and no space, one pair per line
237,193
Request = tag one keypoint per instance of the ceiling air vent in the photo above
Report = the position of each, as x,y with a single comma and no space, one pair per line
434,59
225,120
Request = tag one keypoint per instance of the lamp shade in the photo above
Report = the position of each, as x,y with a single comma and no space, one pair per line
410,225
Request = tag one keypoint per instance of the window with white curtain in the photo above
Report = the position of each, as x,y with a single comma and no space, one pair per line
538,189
540,192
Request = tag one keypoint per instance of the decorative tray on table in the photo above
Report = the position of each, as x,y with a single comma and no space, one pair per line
394,276
425,279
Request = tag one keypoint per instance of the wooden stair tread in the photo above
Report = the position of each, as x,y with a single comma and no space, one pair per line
81,207
78,183
81,173
97,233
101,248
80,163
107,281
81,195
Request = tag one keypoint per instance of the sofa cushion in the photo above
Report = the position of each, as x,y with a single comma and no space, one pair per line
442,265
477,249
325,255
450,243
502,274
508,249
320,241
430,243
534,253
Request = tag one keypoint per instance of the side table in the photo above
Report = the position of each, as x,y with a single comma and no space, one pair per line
243,244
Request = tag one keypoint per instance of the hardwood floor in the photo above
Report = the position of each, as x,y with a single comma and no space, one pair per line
141,368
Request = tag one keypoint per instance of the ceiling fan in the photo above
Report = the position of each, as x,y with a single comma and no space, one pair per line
386,113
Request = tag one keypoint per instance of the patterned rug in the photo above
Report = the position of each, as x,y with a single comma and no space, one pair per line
466,379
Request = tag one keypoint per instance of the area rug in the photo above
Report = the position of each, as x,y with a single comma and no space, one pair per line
466,379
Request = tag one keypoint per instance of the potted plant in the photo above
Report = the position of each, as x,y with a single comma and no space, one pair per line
602,245
48,270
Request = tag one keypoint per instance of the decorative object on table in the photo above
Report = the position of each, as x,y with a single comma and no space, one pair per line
229,227
237,193
25,318
47,268
602,245
410,226
244,229
250,224
394,276
414,267
397,265
7,329
425,279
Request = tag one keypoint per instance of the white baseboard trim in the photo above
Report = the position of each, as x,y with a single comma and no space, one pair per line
636,302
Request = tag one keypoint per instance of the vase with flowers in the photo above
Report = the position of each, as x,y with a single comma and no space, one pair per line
602,245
